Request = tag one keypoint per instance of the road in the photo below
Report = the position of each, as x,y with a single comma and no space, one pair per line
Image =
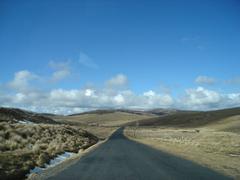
120,158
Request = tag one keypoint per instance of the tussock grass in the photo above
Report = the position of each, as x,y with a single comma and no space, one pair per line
25,146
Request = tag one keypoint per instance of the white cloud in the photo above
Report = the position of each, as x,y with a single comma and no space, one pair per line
20,97
119,99
231,100
62,70
21,80
88,98
205,80
204,99
153,100
85,60
118,81
60,74
201,97
89,92
73,100
149,93
78,100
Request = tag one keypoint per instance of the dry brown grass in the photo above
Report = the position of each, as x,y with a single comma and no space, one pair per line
191,119
215,149
229,124
25,146
104,119
101,132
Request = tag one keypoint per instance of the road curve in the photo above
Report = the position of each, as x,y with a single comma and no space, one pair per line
120,158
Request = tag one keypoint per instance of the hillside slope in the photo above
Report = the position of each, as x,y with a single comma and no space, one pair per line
191,119
24,146
22,116
103,118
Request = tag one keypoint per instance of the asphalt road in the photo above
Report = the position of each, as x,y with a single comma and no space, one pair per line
120,158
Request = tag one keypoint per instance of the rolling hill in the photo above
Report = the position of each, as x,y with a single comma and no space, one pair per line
104,117
193,118
15,115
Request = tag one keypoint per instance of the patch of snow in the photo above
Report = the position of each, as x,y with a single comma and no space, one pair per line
234,155
59,159
53,162
36,170
24,121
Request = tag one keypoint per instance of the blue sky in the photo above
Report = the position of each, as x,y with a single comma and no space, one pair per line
185,50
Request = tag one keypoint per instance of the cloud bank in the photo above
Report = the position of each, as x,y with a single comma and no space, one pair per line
114,93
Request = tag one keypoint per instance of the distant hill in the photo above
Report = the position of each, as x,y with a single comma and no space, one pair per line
99,111
107,117
22,116
191,118
167,111
225,118
114,117
131,111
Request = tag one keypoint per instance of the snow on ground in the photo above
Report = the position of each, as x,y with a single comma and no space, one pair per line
60,158
24,121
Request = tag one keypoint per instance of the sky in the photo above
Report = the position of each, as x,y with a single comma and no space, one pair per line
68,56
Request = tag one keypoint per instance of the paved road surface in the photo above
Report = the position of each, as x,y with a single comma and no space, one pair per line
120,158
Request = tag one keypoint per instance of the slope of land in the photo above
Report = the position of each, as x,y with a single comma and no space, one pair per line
30,139
18,115
190,118
25,146
103,118
210,138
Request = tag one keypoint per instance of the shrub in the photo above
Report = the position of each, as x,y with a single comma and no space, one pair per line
42,159
17,138
36,148
11,145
